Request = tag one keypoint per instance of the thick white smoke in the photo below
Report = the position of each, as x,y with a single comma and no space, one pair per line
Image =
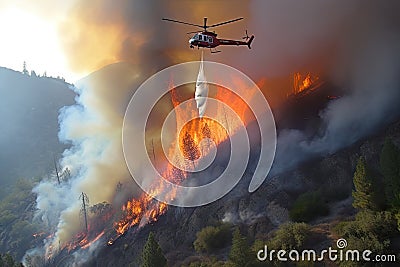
93,128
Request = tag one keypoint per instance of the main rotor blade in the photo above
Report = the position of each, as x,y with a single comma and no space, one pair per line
182,22
222,23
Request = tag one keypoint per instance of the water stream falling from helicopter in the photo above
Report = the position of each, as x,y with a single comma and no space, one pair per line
201,92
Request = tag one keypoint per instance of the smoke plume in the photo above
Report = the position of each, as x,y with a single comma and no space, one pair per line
367,68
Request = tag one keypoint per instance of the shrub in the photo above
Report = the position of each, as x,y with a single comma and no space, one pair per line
207,263
290,236
370,230
212,238
307,207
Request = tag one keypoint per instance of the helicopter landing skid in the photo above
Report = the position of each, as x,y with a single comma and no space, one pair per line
215,51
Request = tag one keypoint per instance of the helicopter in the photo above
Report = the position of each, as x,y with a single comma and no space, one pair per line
209,39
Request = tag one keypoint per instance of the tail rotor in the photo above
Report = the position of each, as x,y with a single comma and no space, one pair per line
246,37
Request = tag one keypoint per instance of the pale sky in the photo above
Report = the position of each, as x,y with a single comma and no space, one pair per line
29,32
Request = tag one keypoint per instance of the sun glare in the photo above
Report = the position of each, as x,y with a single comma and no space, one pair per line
31,39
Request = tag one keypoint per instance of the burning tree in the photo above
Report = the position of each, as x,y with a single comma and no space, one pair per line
190,149
206,131
178,175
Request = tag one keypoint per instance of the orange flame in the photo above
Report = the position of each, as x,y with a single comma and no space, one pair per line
89,243
82,240
301,83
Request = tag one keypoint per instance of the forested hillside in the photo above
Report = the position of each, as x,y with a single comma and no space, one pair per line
29,109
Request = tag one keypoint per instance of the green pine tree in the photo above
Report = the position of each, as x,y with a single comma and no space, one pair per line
152,255
240,254
390,167
363,194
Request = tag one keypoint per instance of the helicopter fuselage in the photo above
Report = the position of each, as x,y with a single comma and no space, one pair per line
209,40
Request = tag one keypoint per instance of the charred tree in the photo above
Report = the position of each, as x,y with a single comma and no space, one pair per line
83,212
66,174
118,187
56,170
152,148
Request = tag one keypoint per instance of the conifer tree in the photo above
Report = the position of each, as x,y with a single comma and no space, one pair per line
240,254
190,149
206,131
390,167
24,69
152,255
364,192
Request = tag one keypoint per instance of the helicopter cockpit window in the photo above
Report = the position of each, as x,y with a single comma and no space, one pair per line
196,36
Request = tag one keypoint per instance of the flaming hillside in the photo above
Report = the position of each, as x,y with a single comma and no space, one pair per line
192,143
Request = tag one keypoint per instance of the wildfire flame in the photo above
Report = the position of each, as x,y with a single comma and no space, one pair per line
145,209
81,240
303,82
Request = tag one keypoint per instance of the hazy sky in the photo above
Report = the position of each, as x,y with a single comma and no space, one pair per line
64,38
29,32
